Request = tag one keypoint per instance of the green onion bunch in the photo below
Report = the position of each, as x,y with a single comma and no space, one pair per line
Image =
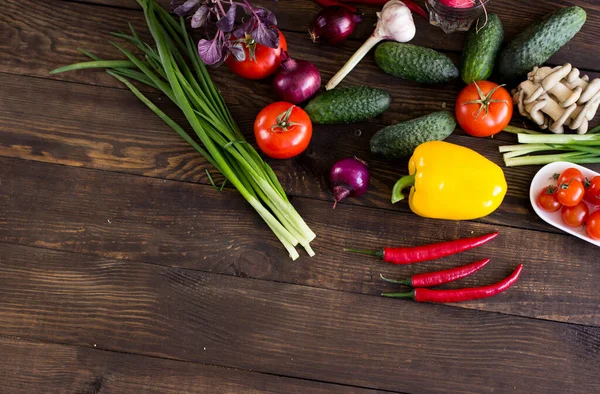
538,148
173,66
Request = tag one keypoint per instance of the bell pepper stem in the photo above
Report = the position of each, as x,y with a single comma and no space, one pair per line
410,294
402,183
376,253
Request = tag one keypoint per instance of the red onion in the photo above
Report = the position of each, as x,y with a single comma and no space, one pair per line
333,25
297,80
349,177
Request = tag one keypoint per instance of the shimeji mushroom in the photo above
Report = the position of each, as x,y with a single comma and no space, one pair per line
561,95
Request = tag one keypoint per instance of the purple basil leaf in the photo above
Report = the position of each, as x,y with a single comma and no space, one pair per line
211,51
266,35
266,16
226,23
237,50
244,27
200,16
186,7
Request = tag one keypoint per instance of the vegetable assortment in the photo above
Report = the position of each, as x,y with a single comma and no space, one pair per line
173,65
446,181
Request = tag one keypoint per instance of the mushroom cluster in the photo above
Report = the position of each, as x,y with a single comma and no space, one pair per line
558,97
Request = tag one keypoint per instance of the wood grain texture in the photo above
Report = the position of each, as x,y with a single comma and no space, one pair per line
514,14
192,226
32,367
288,330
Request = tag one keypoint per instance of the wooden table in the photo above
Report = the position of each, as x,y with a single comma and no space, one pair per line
122,270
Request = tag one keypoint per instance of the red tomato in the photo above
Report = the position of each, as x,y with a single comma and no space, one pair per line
483,108
575,216
282,130
570,173
547,199
592,191
570,193
266,60
592,225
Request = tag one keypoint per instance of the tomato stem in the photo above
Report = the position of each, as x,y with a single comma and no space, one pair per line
405,181
283,121
485,100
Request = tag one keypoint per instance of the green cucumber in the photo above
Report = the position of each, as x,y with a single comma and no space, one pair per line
480,50
415,63
534,45
400,140
347,105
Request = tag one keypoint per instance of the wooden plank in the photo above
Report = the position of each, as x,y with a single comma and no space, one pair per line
514,14
192,226
289,330
33,367
109,129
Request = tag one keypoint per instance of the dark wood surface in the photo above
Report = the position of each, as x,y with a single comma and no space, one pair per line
122,270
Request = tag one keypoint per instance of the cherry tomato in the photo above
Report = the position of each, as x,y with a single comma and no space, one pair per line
592,225
592,191
266,60
483,108
575,216
282,130
571,193
570,173
547,199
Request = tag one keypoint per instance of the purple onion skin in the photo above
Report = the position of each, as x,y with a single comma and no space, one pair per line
349,177
297,80
333,25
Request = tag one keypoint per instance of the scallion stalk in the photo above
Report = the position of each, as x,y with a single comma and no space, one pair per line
167,68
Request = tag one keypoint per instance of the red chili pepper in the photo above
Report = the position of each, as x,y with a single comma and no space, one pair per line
426,252
414,7
440,277
328,3
458,295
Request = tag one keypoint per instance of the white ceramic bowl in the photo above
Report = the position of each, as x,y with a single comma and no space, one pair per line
542,179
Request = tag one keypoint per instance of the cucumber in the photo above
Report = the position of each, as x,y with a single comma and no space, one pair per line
534,45
414,63
400,140
480,50
347,105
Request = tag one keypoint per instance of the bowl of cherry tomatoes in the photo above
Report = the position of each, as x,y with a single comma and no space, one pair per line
567,196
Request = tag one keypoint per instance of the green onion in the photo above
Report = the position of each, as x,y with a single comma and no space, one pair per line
173,66
574,148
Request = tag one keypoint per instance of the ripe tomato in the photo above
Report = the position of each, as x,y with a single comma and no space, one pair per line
592,190
266,60
575,216
571,193
282,130
570,173
592,225
483,108
547,199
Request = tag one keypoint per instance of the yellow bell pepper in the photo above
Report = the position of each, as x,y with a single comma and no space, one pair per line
451,182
